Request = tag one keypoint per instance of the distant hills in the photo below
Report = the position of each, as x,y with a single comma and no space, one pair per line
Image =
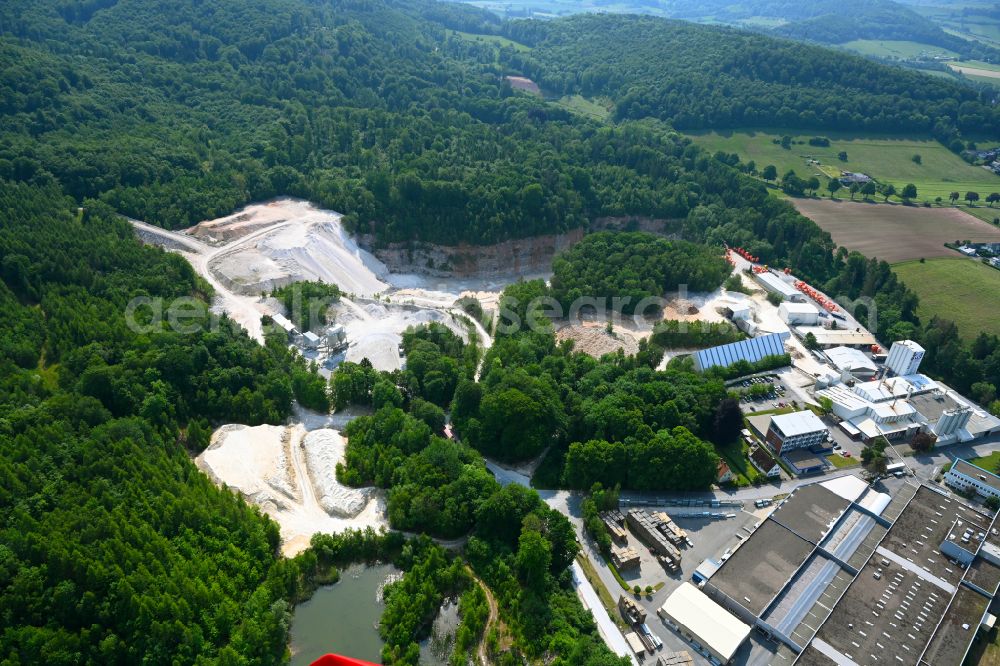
821,21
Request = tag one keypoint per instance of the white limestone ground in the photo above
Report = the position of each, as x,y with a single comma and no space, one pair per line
291,475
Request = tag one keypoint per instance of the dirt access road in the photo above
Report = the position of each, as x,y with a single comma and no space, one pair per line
490,621
244,310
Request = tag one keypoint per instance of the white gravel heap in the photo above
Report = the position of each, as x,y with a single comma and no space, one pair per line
324,449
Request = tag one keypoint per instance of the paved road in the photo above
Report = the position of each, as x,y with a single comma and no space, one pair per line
765,491
605,625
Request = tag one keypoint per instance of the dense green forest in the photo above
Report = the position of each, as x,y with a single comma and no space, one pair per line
177,113
636,266
699,76
116,549
181,112
533,395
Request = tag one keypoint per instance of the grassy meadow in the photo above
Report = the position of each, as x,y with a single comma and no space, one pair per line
598,110
962,290
895,49
888,159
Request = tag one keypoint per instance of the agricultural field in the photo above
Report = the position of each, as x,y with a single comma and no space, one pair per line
896,49
961,19
984,213
975,72
979,64
886,158
958,289
894,232
986,32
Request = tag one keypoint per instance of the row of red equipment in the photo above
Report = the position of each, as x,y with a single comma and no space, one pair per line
823,301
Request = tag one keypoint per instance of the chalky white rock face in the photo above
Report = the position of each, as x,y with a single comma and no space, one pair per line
288,240
291,475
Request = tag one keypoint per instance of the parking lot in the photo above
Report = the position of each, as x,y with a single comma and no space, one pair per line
762,393
842,442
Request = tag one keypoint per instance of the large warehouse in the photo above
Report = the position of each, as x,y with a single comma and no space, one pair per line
751,350
776,285
700,620
840,574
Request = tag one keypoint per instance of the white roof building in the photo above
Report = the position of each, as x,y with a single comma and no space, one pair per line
897,407
698,618
904,357
310,340
283,323
776,285
794,314
797,423
852,361
833,337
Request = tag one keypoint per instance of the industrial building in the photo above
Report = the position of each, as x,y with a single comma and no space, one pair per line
921,596
897,408
804,461
711,629
336,337
965,476
310,340
852,363
904,358
776,285
705,570
282,322
751,351
797,430
842,574
798,314
838,337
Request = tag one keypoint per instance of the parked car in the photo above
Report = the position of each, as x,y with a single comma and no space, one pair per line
846,454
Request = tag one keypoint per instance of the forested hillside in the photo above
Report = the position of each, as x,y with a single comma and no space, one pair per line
636,266
698,76
181,112
115,549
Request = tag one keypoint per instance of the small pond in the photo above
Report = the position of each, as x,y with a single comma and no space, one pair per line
342,618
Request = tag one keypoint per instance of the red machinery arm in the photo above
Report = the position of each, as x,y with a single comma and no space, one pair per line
337,660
